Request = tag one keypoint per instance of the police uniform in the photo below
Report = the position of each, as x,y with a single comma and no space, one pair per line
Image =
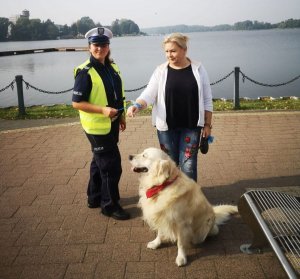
105,169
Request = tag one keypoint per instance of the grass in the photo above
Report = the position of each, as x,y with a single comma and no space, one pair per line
63,111
39,112
265,104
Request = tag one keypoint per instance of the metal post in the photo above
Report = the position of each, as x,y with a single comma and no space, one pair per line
236,99
19,81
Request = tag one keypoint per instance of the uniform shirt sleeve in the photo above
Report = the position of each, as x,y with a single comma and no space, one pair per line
82,87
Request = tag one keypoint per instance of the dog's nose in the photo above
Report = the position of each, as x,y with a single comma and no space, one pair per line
130,157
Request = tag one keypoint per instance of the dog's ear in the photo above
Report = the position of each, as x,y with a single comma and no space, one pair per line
160,170
164,169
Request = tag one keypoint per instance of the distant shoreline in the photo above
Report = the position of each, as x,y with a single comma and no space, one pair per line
157,33
247,25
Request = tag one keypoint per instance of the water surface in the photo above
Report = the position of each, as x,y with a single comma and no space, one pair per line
267,56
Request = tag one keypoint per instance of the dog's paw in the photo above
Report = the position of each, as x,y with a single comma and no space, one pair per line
153,244
181,260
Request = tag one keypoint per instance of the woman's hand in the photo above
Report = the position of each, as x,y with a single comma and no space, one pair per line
132,110
136,107
206,132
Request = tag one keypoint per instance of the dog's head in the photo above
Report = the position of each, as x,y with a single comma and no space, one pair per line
143,162
155,163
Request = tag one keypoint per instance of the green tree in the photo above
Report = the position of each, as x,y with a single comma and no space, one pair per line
74,29
290,23
115,28
133,28
4,22
85,24
243,25
36,29
21,30
65,32
51,30
128,27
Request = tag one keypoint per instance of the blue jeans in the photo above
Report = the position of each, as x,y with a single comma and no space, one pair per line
181,145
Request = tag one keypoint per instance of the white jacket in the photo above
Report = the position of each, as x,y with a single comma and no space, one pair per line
154,94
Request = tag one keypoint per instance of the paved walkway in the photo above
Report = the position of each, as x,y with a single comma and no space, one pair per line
47,231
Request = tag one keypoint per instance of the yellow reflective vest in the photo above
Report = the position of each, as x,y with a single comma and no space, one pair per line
96,123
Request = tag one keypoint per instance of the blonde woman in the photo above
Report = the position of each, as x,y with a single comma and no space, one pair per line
180,93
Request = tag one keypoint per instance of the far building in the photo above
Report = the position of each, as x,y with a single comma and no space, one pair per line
24,14
13,19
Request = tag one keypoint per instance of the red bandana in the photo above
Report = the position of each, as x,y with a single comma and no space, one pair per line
157,188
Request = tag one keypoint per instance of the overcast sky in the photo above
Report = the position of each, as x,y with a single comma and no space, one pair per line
153,13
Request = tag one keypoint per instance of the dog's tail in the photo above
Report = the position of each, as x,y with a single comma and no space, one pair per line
223,213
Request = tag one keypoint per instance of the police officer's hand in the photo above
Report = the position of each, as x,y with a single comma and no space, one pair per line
109,112
122,123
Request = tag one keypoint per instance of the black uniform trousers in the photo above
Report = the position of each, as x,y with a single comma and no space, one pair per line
105,170
105,173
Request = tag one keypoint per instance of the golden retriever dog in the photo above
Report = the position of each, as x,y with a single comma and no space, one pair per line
173,205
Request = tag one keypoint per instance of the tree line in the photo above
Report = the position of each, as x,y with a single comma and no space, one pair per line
34,29
26,29
242,25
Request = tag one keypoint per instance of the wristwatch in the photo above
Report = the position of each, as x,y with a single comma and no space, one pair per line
138,106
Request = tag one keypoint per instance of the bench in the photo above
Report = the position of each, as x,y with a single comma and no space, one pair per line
274,218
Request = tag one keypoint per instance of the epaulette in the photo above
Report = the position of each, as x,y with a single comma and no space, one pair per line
85,68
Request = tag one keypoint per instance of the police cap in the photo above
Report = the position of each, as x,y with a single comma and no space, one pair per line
100,35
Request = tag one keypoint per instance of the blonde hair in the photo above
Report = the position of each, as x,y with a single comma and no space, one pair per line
177,38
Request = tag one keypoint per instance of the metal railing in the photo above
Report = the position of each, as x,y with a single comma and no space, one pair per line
236,94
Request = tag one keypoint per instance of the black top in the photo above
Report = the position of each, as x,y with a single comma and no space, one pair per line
181,98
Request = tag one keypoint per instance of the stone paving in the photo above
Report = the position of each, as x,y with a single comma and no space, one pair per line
47,231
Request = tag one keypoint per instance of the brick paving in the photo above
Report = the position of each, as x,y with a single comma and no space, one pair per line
47,231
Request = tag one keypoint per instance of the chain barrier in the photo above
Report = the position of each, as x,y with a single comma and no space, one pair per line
11,85
268,85
44,91
244,77
227,76
132,90
218,81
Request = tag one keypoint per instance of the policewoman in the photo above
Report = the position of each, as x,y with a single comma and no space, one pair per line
99,96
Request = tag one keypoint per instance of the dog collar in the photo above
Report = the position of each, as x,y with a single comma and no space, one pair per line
157,188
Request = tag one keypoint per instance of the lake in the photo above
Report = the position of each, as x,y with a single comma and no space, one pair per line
266,56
